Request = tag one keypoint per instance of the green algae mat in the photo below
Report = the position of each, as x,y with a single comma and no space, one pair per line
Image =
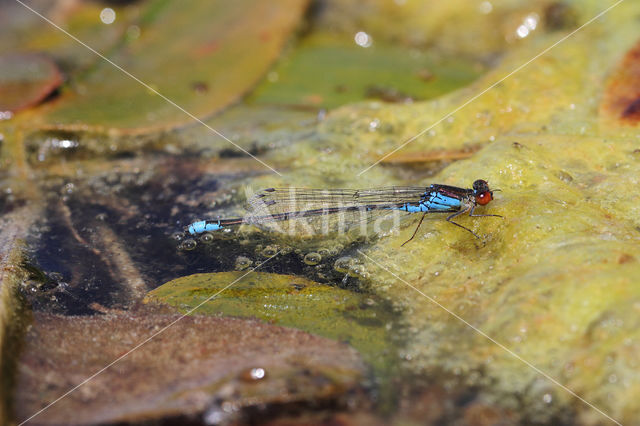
325,310
536,322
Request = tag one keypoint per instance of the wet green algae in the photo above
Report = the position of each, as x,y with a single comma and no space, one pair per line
324,310
556,280
557,94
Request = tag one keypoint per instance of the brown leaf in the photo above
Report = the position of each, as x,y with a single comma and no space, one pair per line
198,365
621,99
25,80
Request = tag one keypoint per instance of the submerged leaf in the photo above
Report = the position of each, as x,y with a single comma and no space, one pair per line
621,100
284,300
202,67
197,366
326,72
25,80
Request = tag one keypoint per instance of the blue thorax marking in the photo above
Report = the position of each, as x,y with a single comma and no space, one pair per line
430,201
438,201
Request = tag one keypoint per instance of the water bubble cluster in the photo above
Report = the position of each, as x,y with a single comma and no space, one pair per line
528,25
350,266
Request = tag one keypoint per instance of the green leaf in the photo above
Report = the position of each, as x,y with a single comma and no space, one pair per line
326,72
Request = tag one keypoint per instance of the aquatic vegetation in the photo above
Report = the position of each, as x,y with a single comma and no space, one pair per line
102,212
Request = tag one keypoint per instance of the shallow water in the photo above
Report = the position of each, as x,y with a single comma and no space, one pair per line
103,216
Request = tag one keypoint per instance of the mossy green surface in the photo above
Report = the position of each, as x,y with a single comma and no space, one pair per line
555,281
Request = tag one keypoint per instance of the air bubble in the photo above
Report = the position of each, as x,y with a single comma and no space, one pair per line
358,271
107,15
206,238
243,263
286,250
324,252
312,258
269,251
188,244
253,374
363,39
343,264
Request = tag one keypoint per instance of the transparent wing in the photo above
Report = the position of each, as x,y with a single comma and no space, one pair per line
280,200
324,211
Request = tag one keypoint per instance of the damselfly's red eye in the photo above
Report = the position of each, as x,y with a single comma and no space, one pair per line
484,198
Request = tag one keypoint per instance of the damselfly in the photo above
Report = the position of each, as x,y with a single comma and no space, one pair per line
351,206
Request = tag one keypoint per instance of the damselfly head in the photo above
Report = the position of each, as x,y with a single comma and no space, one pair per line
482,192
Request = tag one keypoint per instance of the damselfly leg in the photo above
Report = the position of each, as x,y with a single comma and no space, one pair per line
470,210
416,231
